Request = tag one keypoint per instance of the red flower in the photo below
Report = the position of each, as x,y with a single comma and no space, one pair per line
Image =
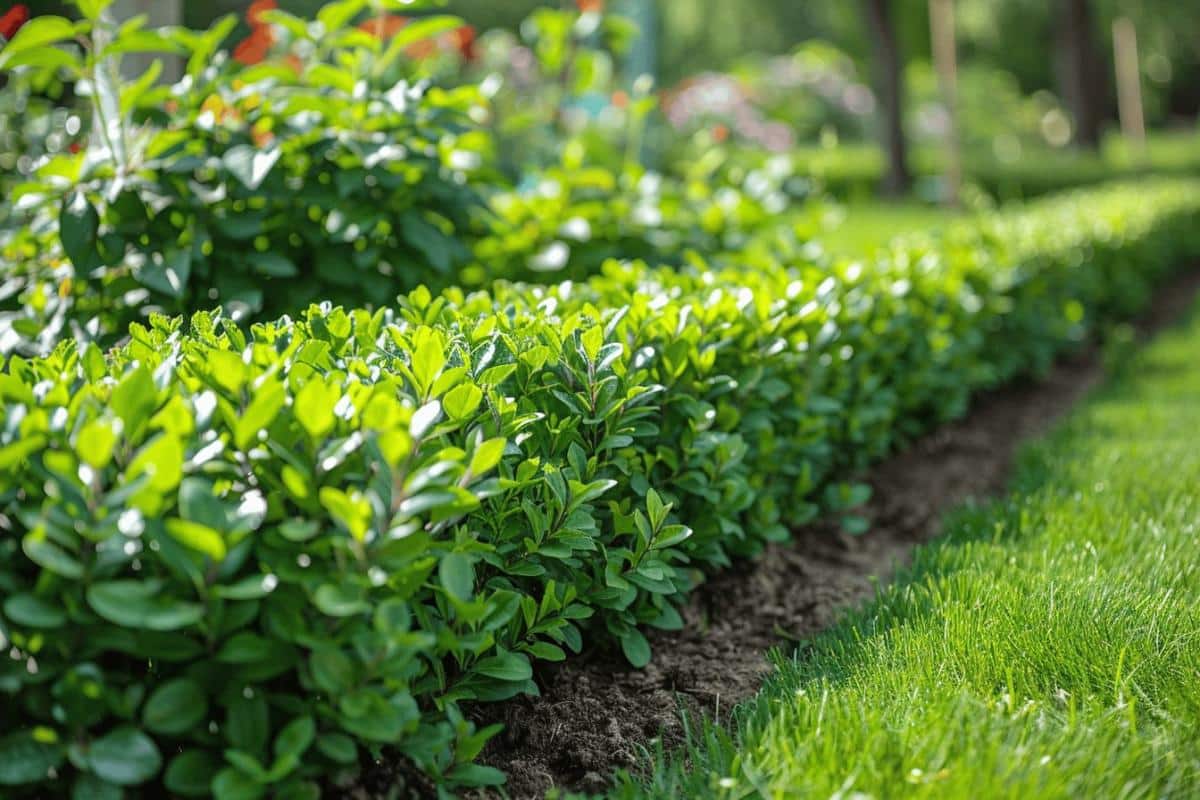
590,6
462,39
383,27
256,9
255,47
620,98
75,147
13,19
720,133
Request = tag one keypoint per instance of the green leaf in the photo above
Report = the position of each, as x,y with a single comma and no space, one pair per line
135,398
141,604
314,406
327,76
352,511
477,775
197,503
415,31
671,535
50,556
198,537
33,612
44,58
487,455
506,666
592,339
78,224
244,647
461,401
17,452
636,648
367,715
334,15
268,399
428,360
126,757
339,601
655,509
175,707
232,784
545,651
855,525
252,587
205,45
90,787
338,747
247,723
40,32
332,670
457,575
95,443
296,737
190,773
249,164
28,757
424,418
582,493
162,462
91,8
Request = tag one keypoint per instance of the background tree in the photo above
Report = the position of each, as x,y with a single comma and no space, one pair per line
1082,74
889,86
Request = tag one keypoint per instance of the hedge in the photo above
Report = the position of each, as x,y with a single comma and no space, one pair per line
855,171
236,563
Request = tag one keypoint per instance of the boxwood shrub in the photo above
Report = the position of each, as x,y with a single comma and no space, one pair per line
237,563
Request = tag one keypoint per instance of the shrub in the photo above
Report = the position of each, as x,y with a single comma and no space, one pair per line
228,562
567,221
259,188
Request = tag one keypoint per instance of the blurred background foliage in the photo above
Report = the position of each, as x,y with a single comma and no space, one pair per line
1013,37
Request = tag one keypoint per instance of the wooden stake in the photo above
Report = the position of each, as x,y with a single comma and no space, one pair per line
941,28
1129,84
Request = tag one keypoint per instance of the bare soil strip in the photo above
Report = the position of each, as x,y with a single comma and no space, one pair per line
595,711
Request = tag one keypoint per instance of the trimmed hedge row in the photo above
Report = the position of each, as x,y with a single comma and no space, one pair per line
855,171
231,562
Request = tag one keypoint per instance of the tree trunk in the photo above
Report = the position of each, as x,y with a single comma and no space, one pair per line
945,59
1081,75
889,85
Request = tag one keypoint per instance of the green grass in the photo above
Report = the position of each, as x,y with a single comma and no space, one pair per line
869,225
1048,646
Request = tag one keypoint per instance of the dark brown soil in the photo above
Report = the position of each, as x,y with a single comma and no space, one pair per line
595,711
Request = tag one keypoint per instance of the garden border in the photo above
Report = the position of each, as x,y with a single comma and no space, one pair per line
596,713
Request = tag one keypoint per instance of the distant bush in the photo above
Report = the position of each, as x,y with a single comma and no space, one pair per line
259,186
230,562
855,171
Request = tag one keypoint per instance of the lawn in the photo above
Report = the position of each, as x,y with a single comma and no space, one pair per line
1045,647
868,225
